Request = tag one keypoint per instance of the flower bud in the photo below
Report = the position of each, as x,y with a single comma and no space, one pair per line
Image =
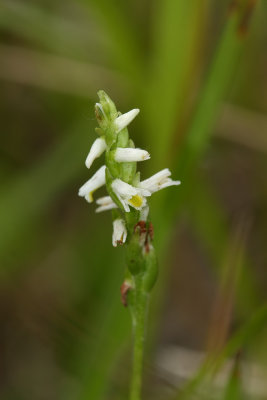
98,147
107,104
130,155
100,115
125,119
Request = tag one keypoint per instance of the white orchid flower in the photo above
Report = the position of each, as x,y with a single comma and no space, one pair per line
130,195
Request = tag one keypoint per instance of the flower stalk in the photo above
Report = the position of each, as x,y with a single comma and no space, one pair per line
127,198
139,311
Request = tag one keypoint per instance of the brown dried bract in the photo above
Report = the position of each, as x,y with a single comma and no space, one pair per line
246,18
233,6
141,225
125,287
148,232
151,231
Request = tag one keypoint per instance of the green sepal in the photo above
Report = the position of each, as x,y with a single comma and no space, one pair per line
109,180
129,168
123,138
110,134
136,179
134,256
108,105
128,172
112,165
100,131
132,218
116,214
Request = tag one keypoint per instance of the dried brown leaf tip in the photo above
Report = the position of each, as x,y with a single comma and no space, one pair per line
246,17
125,287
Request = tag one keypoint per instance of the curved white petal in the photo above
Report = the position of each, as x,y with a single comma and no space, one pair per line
98,147
97,180
125,119
105,203
158,181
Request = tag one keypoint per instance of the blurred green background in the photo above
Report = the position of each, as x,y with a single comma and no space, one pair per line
197,70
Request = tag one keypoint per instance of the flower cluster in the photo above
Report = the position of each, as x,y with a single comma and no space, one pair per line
126,191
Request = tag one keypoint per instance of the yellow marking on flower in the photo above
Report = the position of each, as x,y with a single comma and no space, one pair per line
90,196
136,201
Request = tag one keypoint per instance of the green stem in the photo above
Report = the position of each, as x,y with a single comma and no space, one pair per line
139,321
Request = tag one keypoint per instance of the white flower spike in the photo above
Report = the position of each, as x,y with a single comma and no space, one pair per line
158,181
97,180
119,232
125,119
130,155
105,203
130,195
98,148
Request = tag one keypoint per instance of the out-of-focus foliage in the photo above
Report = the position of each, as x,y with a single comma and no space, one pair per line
197,69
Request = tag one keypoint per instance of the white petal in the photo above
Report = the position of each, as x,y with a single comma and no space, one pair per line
169,182
158,181
119,232
125,119
102,201
130,155
97,180
106,208
126,190
156,178
105,203
98,147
